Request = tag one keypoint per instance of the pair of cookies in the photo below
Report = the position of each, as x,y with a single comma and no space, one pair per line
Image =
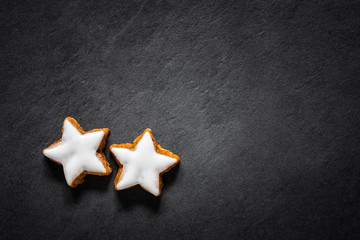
80,153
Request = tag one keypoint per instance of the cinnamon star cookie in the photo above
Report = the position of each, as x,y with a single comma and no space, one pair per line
79,152
142,162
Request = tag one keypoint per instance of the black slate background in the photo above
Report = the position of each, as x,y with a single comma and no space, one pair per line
260,99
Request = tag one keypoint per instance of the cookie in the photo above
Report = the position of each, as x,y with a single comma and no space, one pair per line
79,152
142,162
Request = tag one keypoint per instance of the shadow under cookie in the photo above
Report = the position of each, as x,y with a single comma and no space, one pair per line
136,195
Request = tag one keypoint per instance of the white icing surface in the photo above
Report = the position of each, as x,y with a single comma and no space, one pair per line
77,152
142,165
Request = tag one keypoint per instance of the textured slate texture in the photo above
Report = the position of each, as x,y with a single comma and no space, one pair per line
260,99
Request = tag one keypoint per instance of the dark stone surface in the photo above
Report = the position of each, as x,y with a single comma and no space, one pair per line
260,99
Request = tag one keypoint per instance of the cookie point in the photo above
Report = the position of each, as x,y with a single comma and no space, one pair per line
117,188
69,118
44,151
157,194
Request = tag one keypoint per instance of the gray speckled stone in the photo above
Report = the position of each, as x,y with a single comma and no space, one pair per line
259,99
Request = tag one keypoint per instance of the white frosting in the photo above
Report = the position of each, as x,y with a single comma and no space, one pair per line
142,165
77,152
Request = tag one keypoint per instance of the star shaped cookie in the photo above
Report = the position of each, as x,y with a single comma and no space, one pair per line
142,162
79,152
